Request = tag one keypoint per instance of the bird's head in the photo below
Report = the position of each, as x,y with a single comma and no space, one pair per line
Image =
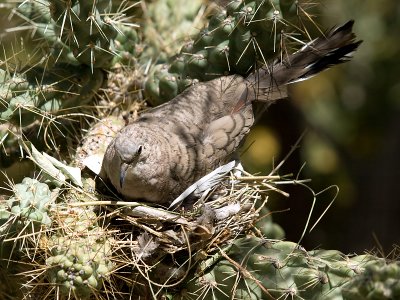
136,165
130,150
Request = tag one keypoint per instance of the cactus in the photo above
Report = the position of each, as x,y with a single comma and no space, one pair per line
24,101
30,101
127,45
253,268
378,281
236,40
267,227
66,65
79,259
28,209
77,32
86,27
59,244
74,255
23,218
158,19
73,32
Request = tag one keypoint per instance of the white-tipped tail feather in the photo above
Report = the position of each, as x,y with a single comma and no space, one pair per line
334,48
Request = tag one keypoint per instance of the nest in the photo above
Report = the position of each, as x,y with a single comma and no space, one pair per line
157,250
97,248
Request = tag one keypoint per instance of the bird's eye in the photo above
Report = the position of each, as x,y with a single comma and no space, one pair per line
139,150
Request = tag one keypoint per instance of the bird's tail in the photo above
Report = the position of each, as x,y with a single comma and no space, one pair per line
269,82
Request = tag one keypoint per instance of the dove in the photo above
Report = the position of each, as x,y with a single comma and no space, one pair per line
170,147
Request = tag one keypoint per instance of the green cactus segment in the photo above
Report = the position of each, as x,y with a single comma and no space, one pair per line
28,97
166,24
79,265
378,281
253,268
73,32
162,43
36,16
291,8
22,217
126,44
235,41
88,28
30,203
79,257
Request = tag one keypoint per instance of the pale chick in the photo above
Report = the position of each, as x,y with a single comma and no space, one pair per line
173,145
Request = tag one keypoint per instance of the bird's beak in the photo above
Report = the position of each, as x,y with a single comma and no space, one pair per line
124,168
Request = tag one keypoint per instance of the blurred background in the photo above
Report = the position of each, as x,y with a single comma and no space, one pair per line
351,115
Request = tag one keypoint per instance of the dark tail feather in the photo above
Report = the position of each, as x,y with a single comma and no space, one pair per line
334,48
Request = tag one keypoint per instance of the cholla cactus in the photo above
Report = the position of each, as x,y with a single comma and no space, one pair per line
27,210
237,39
74,32
33,101
379,281
88,28
253,268
24,101
59,244
66,57
79,258
23,219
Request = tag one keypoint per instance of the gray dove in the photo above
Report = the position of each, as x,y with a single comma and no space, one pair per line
169,147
